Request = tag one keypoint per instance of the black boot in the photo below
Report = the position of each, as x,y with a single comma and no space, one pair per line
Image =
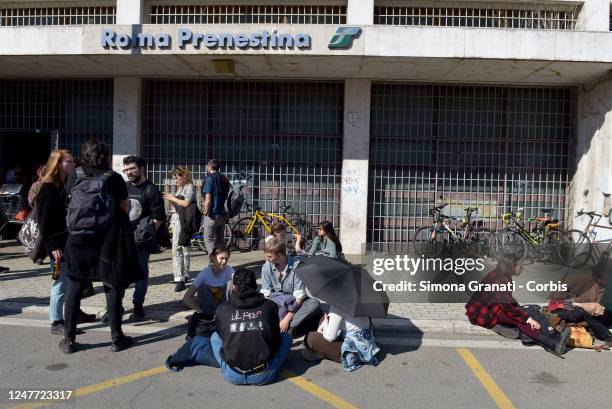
180,359
556,343
139,312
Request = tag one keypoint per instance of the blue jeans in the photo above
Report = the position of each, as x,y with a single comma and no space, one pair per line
58,293
201,352
141,286
262,378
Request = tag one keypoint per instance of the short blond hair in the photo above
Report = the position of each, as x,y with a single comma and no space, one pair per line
275,246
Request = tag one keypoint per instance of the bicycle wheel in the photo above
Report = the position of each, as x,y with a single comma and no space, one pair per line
550,246
481,241
243,240
574,248
509,243
428,244
227,236
306,231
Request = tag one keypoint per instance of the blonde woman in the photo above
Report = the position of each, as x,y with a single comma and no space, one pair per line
51,212
185,195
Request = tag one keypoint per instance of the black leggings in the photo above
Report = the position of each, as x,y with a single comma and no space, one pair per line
74,290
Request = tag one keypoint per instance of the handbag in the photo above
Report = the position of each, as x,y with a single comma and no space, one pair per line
30,238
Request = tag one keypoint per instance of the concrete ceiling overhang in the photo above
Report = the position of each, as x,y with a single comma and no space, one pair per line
309,67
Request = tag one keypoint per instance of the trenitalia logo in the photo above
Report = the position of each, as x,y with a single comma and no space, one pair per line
343,38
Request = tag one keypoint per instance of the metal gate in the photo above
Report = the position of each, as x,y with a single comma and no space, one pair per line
76,110
287,136
495,148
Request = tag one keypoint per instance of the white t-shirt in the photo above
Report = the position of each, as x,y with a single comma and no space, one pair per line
335,323
211,279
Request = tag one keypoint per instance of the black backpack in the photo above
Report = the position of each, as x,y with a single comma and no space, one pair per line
233,201
92,207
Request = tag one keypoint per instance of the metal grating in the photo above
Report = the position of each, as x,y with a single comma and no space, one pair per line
287,136
247,14
56,16
493,148
559,18
77,109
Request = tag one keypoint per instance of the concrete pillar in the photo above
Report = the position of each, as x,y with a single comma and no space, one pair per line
355,157
130,11
592,182
595,15
127,118
360,12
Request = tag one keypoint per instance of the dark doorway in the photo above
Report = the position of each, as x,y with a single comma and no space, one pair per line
29,149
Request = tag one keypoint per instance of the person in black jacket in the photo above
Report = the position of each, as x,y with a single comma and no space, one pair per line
103,256
51,215
248,344
146,205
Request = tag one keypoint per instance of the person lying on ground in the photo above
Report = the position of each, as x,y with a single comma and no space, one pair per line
489,309
278,275
598,318
207,291
342,339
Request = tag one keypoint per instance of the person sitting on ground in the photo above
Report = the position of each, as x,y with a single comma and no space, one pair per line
327,242
336,336
207,291
278,275
248,344
499,309
279,231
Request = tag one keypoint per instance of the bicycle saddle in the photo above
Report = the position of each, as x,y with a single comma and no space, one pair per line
283,209
547,210
252,207
471,209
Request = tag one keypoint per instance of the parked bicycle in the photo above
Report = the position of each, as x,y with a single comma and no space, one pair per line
249,232
537,244
577,248
469,239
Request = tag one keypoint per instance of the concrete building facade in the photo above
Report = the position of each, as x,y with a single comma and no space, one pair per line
363,112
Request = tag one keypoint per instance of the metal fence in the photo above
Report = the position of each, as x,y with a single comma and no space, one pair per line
76,110
247,14
543,17
56,16
287,136
494,148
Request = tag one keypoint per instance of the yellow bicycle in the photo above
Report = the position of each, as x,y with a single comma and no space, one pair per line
249,233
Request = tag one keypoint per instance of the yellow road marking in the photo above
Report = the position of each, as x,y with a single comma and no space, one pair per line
316,390
486,380
299,381
98,387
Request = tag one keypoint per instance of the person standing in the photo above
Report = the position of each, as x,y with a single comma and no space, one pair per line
51,213
185,195
214,190
100,244
146,207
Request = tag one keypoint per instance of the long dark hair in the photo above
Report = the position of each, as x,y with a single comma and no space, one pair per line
328,228
94,154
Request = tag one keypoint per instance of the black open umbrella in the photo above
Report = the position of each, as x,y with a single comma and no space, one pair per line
344,286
